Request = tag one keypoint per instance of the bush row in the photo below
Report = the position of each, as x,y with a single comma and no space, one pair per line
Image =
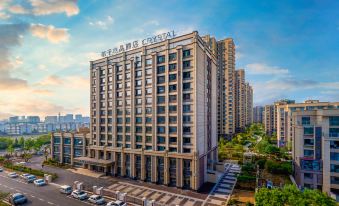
24,169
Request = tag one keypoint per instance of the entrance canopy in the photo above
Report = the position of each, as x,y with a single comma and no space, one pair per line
92,161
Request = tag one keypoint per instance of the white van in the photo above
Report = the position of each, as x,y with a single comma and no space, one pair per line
66,189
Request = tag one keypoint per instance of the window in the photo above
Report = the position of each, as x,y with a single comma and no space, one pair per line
187,97
172,149
149,100
148,139
172,108
148,61
172,67
305,120
138,83
148,110
186,86
161,89
148,129
138,110
172,140
186,150
172,77
128,75
119,120
172,56
138,120
334,132
308,130
186,119
172,88
161,59
148,71
308,153
138,101
186,75
161,79
186,53
148,90
161,109
138,92
138,129
127,128
186,64
148,147
138,138
128,84
186,130
138,64
308,142
148,81
160,140
161,130
127,120
186,108
161,148
172,130
334,121
161,120
148,119
172,119
128,93
160,99
172,98
128,66
118,68
161,69
187,140
138,73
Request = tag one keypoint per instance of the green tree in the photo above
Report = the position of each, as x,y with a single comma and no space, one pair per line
290,195
26,156
21,142
10,149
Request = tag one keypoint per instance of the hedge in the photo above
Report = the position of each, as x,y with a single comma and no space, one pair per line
24,169
276,167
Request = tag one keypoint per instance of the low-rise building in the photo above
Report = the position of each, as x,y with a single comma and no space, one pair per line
315,149
66,146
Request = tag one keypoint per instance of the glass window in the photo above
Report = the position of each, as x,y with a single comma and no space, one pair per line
160,120
160,140
148,61
186,97
138,92
148,81
187,86
186,64
138,110
334,121
172,56
186,108
138,73
161,59
148,90
160,99
161,89
161,109
186,130
172,108
308,153
308,130
334,132
172,98
138,129
172,67
173,140
148,139
138,119
172,77
186,53
186,75
138,83
148,71
186,119
172,119
138,101
161,79
172,130
128,75
161,130
172,88
161,69
149,100
148,119
138,138
148,110
306,120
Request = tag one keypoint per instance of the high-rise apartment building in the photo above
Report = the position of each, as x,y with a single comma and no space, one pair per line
315,148
258,112
268,119
240,100
154,112
249,104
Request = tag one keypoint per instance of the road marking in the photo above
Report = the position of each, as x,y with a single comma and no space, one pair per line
33,196
41,199
51,203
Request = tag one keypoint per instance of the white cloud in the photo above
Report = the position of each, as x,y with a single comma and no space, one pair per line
52,34
103,24
4,15
46,7
264,69
18,9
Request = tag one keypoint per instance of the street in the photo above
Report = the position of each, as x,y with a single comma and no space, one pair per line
37,196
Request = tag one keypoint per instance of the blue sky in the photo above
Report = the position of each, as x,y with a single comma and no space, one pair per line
289,49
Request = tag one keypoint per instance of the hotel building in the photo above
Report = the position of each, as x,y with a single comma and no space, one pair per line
315,149
284,111
154,113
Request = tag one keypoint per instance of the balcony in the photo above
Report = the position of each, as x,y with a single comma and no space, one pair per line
333,135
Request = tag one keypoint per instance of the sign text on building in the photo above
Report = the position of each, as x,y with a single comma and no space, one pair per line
138,43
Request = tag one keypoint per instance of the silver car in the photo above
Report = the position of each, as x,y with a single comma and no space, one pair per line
96,199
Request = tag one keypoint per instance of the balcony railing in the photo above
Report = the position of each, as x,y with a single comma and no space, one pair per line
333,134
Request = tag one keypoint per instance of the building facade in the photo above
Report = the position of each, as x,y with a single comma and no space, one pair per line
315,149
66,146
284,113
258,112
154,113
249,104
269,120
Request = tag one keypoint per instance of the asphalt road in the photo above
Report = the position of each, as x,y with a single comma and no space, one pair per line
37,196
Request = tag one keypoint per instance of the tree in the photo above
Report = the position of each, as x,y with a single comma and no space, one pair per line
290,195
10,149
26,156
29,144
21,142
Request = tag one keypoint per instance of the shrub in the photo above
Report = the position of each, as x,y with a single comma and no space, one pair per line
261,163
246,178
24,169
275,167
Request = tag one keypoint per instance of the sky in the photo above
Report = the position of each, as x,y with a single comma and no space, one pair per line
289,49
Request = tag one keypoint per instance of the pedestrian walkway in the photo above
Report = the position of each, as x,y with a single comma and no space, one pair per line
222,191
86,172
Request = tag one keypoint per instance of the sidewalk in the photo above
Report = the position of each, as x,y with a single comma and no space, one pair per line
86,172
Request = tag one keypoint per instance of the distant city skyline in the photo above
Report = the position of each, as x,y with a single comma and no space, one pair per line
287,48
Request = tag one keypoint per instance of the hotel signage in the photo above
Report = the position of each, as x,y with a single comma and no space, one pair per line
135,44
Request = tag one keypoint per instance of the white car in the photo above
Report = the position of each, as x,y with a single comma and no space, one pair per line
78,194
1,170
30,179
13,175
39,182
117,203
96,199
24,176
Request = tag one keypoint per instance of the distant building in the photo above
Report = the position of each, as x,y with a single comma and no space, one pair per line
33,119
14,119
258,112
51,119
315,148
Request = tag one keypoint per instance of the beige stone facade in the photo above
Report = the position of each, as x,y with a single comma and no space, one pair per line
154,113
315,149
284,112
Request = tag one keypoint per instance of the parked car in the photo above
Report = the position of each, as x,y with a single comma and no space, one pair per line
25,175
30,179
13,175
65,189
21,163
78,194
117,203
96,199
17,199
39,182
1,170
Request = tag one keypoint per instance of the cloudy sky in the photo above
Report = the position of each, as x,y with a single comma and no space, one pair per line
289,49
